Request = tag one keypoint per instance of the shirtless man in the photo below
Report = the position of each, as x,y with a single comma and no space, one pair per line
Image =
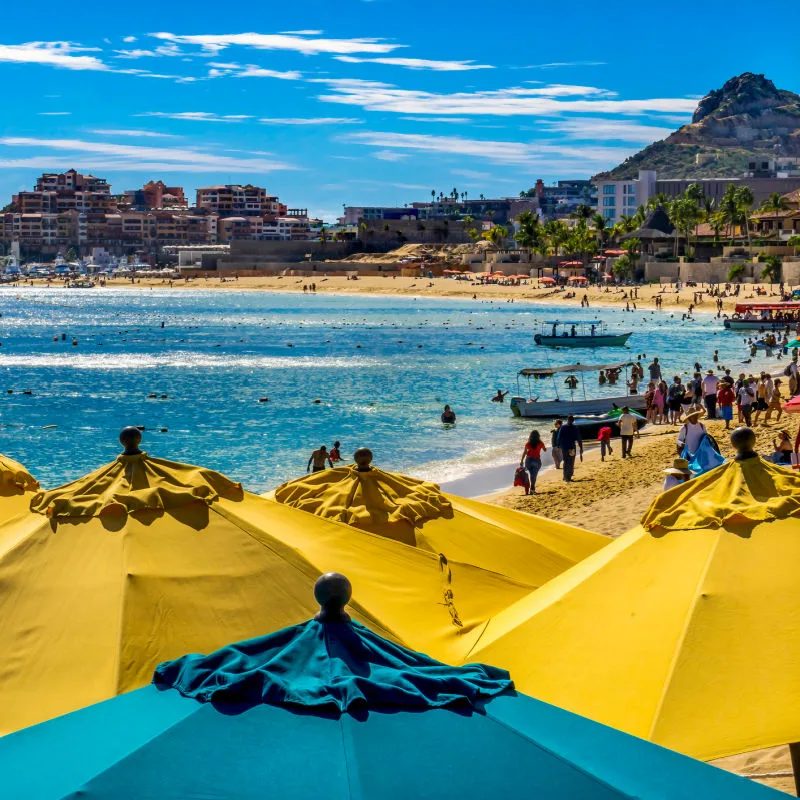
318,458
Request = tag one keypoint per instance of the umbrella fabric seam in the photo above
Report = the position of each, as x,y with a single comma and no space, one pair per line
679,643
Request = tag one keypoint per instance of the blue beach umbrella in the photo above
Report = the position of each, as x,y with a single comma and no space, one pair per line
330,708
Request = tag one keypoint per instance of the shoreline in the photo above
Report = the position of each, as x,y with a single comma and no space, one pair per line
447,288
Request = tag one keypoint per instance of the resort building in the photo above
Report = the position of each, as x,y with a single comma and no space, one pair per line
355,214
154,195
233,200
618,198
562,199
779,225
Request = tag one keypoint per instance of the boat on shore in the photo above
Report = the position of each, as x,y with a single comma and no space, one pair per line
590,425
533,408
593,333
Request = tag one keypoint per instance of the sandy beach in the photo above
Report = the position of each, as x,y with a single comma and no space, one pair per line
672,301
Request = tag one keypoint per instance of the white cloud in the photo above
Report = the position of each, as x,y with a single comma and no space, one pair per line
471,173
558,64
515,101
136,133
417,63
54,113
499,152
214,43
303,33
52,54
228,70
312,121
390,155
121,156
594,129
129,39
196,116
452,120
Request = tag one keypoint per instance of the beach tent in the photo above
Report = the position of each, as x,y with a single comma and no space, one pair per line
17,487
328,707
147,559
525,548
684,630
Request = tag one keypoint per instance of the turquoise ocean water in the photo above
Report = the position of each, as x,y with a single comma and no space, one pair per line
381,367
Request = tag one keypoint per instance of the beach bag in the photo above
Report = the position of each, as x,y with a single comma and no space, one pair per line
705,458
521,477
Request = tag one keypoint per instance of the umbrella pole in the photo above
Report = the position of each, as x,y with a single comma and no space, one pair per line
794,752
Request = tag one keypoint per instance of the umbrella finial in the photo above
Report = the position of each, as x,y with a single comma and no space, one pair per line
363,459
129,438
743,440
333,592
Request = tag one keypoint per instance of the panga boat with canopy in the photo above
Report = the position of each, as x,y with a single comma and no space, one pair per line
764,316
582,333
559,407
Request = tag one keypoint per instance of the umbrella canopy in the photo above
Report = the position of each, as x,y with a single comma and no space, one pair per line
547,280
17,486
685,629
793,406
793,343
147,559
528,549
329,706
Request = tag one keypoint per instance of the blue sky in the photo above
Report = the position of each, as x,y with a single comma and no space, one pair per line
357,102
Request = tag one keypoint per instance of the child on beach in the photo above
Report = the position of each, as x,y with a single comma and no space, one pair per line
604,437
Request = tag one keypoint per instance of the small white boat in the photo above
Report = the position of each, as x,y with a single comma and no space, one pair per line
592,333
533,408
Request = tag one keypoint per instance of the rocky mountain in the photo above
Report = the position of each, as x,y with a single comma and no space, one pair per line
747,117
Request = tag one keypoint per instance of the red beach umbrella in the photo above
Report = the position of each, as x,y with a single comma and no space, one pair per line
547,280
793,406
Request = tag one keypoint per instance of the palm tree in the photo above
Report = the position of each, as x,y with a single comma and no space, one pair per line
735,272
323,235
694,192
716,222
557,235
729,209
640,216
685,215
583,212
744,202
473,234
628,222
496,235
794,241
529,235
633,247
659,200
774,203
623,267
433,195
601,228
772,270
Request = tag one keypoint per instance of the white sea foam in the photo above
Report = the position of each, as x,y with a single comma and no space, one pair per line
187,360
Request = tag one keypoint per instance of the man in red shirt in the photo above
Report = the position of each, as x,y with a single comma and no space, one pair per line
726,397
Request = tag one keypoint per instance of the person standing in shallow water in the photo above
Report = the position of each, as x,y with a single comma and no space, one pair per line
532,459
318,459
448,416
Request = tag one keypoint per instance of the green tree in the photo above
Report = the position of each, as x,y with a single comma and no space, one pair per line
556,235
530,234
729,209
497,236
735,272
772,270
716,222
794,241
323,235
694,192
581,240
600,225
774,203
659,200
640,216
71,255
685,215
744,202
633,247
583,212
624,268
473,234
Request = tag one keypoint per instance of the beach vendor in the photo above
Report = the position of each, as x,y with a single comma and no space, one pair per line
676,474
692,432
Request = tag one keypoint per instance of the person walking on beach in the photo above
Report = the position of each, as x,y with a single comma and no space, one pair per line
660,403
764,389
675,397
318,459
569,440
745,398
532,459
555,450
627,430
448,416
335,453
775,402
604,437
709,387
726,397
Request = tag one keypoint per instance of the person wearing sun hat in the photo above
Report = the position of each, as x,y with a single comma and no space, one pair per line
678,473
692,432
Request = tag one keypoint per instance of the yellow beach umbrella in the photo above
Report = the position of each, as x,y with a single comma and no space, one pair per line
526,548
684,630
146,559
16,488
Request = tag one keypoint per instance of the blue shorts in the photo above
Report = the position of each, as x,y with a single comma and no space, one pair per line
726,412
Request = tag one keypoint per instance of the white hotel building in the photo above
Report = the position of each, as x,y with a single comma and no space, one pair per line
615,198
